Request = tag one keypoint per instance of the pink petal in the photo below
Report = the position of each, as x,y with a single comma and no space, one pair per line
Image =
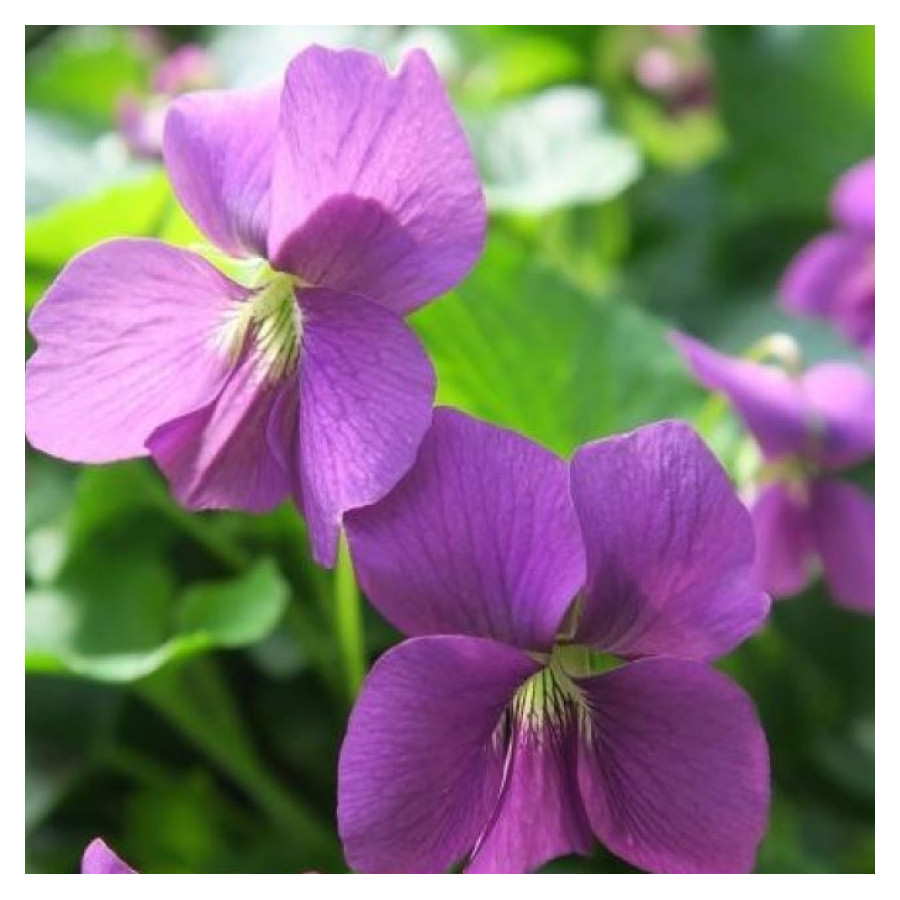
844,523
480,538
366,392
218,456
99,859
539,815
670,548
842,400
218,148
823,278
769,401
420,769
126,341
374,188
674,769
853,200
784,540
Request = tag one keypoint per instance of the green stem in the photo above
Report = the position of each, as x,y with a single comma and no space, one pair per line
348,621
171,695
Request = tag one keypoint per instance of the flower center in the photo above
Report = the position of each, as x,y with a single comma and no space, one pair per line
552,696
268,325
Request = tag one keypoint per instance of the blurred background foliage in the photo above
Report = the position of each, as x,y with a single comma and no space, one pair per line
185,690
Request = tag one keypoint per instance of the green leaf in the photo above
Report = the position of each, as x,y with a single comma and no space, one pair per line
82,72
519,346
132,209
798,103
550,151
236,613
119,620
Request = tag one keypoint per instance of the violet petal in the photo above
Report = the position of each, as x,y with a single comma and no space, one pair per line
374,188
670,547
366,392
480,538
420,768
126,341
674,770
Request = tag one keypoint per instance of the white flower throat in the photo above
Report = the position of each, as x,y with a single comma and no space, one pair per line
268,324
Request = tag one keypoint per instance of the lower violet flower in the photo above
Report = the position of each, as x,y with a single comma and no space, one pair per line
99,859
808,426
555,685
833,276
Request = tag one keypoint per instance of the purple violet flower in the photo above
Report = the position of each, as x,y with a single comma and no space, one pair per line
833,276
141,120
498,734
99,859
350,197
808,427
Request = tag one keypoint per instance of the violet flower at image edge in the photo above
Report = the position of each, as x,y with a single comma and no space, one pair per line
504,732
833,276
99,859
809,428
348,198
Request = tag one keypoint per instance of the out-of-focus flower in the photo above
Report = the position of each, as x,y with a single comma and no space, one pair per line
502,734
674,68
808,426
345,199
99,859
141,119
833,276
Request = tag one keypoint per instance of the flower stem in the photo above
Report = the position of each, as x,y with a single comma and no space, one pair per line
348,621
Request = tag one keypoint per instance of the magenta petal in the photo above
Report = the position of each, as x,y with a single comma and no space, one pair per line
853,200
366,394
374,188
480,538
842,399
674,770
844,523
670,548
218,148
126,341
98,859
218,456
824,277
420,768
770,403
784,540
539,815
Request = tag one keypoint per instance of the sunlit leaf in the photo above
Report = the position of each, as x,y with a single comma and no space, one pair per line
518,345
119,620
550,151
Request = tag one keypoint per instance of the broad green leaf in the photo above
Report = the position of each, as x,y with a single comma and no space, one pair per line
235,613
118,619
518,345
798,104
550,151
82,72
132,209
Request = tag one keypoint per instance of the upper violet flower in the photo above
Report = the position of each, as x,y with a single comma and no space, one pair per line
351,198
833,277
501,734
807,426
141,120
99,859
